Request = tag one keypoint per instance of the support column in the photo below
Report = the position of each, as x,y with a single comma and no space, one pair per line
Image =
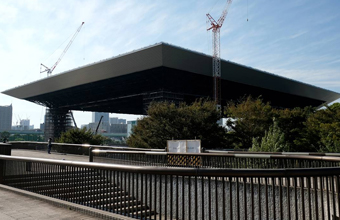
56,122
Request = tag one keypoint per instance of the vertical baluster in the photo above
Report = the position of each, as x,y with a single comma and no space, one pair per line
309,197
245,198
196,198
209,197
259,197
266,193
316,205
302,182
334,195
203,200
230,198
288,197
280,197
216,198
252,197
238,198
166,198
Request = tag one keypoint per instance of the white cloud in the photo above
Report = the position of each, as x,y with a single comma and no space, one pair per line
8,14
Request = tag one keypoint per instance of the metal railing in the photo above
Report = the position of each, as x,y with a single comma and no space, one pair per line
80,149
146,192
213,160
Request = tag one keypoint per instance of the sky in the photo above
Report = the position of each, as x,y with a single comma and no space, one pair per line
297,39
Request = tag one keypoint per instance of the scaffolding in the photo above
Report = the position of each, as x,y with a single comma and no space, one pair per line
56,122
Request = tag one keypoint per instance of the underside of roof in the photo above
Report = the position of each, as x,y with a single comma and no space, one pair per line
128,83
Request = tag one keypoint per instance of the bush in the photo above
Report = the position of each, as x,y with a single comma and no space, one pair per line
273,141
81,136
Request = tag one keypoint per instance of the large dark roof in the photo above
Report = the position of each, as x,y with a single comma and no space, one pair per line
126,83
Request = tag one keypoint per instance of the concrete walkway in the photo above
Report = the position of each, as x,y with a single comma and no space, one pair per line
53,155
24,205
17,206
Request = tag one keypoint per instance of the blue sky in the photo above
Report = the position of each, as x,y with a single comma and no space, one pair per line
298,39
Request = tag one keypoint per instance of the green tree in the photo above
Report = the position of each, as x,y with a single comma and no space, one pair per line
292,123
247,119
4,135
273,141
324,129
81,136
166,121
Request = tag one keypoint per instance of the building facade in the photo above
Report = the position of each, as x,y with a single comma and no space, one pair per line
6,113
97,115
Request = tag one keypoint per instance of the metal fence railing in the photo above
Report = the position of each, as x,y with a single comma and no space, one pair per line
153,192
213,160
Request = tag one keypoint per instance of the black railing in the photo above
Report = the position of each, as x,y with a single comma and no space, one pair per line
145,192
80,149
213,160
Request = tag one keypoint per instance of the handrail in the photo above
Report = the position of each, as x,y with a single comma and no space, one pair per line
196,171
248,155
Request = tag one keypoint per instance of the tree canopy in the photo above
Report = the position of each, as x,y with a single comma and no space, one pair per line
251,124
166,121
81,136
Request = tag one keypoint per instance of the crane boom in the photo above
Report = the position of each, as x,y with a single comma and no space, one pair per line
50,70
215,27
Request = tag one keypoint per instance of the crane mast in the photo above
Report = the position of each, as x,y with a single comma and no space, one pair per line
215,27
50,70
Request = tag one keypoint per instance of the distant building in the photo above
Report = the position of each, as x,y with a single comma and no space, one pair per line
104,127
114,120
121,121
97,115
118,128
42,126
6,113
84,126
25,124
130,125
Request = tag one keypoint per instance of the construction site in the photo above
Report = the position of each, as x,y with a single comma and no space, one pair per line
128,83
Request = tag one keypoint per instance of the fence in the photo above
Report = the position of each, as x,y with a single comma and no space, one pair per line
146,192
213,160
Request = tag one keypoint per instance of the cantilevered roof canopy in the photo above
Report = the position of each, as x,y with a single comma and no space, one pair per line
129,82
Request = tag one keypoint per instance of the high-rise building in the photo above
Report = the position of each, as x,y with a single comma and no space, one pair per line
97,115
130,125
6,113
114,120
118,128
121,121
25,124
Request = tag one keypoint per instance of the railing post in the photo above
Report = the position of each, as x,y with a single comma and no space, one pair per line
90,154
5,149
2,171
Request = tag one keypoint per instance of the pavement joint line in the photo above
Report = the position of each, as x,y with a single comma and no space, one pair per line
68,205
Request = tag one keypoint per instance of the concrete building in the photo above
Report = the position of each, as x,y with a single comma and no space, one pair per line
104,127
42,126
130,125
97,115
6,113
25,124
114,120
118,128
121,121
127,84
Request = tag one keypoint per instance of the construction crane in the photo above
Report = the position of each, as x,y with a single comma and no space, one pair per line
50,70
215,27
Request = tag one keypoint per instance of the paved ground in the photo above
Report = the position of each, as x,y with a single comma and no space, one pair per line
16,206
53,155
24,205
